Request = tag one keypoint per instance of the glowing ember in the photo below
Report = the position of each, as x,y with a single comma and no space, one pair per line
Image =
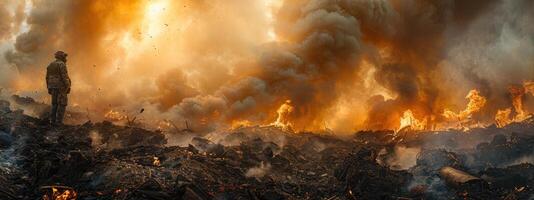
282,121
408,120
156,162
117,191
164,125
59,193
115,116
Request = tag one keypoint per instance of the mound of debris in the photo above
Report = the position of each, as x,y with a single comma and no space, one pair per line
105,161
365,178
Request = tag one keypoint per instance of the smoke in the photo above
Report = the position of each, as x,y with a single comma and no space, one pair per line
96,139
125,55
258,172
5,25
11,13
344,64
491,52
433,58
403,157
521,160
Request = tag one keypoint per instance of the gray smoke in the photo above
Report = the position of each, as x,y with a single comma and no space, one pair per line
422,55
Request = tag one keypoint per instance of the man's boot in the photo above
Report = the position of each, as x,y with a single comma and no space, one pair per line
60,114
53,114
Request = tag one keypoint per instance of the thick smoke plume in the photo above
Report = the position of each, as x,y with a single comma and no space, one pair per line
343,64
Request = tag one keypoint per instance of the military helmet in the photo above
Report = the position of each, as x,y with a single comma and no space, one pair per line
60,55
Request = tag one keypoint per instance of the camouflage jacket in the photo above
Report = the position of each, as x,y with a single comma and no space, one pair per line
57,76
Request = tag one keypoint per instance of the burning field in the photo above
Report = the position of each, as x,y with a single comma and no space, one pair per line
107,161
269,99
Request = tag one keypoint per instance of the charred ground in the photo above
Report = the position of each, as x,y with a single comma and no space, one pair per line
106,161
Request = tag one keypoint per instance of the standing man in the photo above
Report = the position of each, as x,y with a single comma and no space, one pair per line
58,84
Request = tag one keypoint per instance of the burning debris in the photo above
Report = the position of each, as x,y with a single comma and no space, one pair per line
517,93
115,116
465,117
283,112
351,65
409,121
476,103
58,193
106,161
442,88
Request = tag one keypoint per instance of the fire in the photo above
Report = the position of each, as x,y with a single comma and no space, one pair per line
408,120
517,94
117,191
156,162
164,125
66,194
529,87
115,116
503,117
282,121
476,103
240,123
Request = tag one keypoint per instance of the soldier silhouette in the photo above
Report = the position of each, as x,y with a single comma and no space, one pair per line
58,84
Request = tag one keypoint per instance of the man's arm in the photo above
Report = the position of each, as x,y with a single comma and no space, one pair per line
48,81
64,75
47,78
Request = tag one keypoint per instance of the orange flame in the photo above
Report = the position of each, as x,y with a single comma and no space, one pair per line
67,194
240,124
503,117
282,121
517,101
165,125
476,103
156,162
408,120
529,87
115,116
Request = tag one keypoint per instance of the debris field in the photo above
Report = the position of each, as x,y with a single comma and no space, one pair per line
100,161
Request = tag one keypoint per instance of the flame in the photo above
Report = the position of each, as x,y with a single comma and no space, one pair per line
115,116
529,87
164,125
117,191
67,194
408,120
240,123
282,121
503,117
476,103
517,94
156,162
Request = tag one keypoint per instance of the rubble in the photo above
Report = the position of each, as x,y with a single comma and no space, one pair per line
364,178
5,140
106,161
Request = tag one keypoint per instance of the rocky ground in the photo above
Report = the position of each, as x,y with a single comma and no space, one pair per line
106,161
